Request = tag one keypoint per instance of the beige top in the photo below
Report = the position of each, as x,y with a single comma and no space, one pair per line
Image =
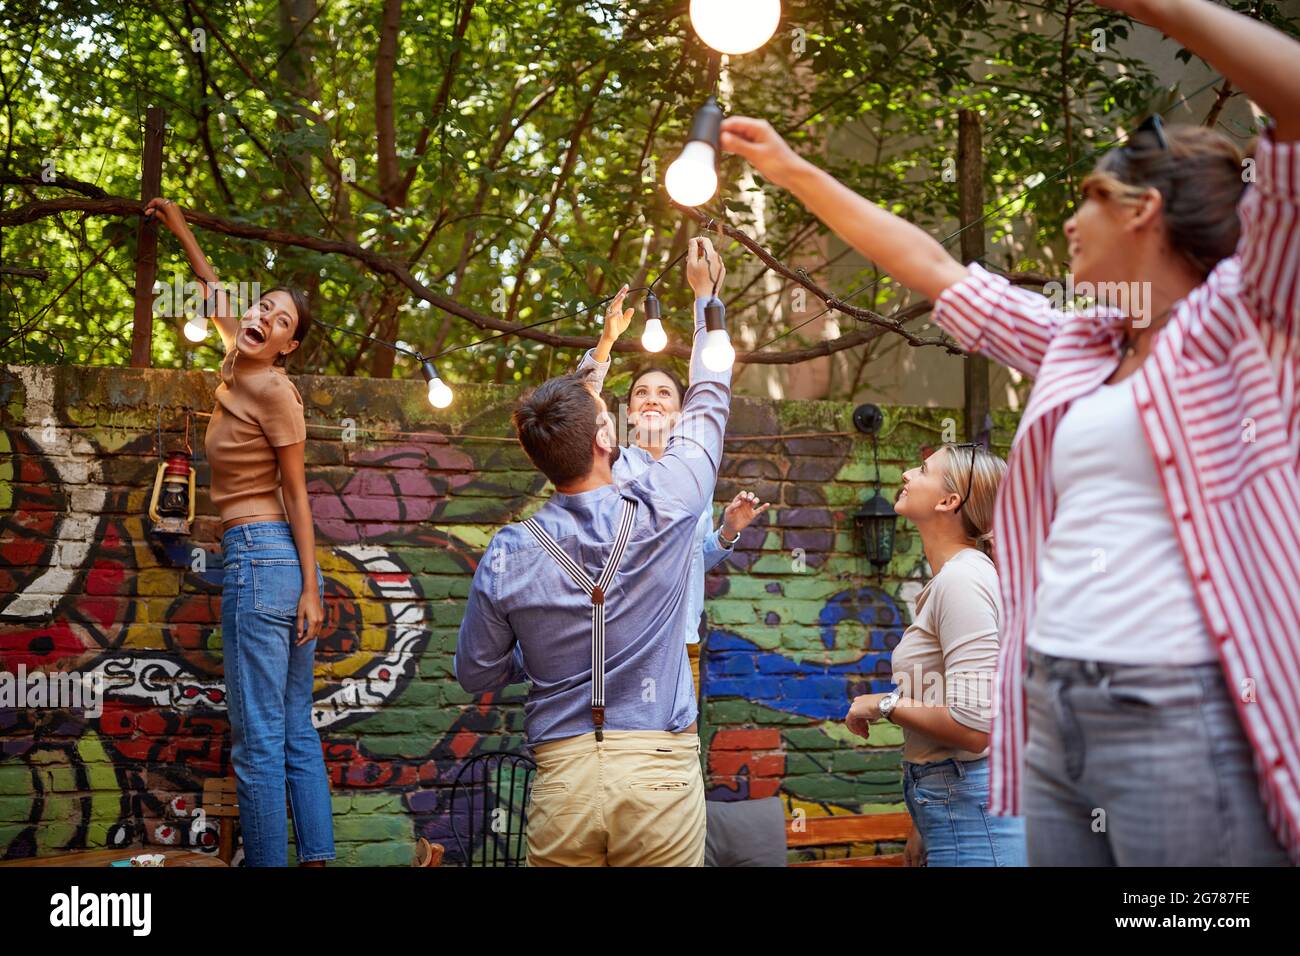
255,413
949,654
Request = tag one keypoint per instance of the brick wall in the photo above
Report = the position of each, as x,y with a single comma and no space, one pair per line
405,502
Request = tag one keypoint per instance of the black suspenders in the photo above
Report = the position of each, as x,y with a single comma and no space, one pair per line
597,591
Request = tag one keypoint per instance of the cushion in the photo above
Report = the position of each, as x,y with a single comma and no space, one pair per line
745,833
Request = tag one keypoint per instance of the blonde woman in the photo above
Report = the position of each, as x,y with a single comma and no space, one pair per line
1149,527
944,667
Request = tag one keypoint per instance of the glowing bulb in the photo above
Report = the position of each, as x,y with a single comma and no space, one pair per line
196,329
735,26
439,394
692,179
718,355
654,338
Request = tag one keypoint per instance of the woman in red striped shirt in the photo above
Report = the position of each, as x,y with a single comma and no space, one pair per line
1149,522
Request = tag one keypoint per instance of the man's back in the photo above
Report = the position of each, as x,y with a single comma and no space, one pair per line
647,676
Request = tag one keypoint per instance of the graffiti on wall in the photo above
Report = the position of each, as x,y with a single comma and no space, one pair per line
85,588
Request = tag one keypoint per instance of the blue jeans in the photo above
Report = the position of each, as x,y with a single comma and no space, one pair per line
268,685
948,801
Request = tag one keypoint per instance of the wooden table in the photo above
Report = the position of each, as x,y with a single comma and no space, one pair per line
171,858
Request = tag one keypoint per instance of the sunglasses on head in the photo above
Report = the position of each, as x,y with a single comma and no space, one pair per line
974,446
1154,125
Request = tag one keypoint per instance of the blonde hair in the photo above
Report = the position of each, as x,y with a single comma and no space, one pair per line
1199,178
977,510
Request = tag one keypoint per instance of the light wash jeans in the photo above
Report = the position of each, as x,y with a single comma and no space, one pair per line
948,800
268,686
1139,766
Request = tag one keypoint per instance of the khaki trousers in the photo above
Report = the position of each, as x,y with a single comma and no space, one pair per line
634,799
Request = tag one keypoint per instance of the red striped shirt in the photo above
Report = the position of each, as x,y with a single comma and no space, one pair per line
1219,402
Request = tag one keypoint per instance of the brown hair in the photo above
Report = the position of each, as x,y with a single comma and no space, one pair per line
977,510
1199,178
557,424
302,306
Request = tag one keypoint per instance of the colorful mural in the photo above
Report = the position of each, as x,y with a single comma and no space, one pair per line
403,510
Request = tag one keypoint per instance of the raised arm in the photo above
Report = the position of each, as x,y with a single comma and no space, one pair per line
688,469
906,252
1257,59
984,314
171,216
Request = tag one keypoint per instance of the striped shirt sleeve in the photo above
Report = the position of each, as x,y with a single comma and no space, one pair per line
987,314
1269,249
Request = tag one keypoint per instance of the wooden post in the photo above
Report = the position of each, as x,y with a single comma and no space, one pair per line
970,185
146,259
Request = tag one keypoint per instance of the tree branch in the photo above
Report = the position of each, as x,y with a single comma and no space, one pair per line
383,265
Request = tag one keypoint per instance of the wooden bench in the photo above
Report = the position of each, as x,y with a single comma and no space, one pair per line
847,829
221,802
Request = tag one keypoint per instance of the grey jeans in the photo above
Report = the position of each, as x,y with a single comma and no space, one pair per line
1139,766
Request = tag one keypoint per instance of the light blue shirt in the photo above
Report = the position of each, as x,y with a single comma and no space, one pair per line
526,619
709,551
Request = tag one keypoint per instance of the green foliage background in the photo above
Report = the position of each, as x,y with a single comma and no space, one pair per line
538,184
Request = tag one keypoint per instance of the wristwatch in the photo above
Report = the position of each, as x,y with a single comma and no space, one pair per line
888,703
722,538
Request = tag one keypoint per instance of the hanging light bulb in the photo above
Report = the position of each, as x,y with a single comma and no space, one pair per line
439,393
196,329
654,338
692,179
735,26
718,354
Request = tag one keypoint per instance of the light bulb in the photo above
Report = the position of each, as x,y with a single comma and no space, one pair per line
439,394
735,26
692,179
654,338
718,355
196,329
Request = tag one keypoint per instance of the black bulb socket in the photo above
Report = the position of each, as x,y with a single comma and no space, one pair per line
707,124
651,306
715,314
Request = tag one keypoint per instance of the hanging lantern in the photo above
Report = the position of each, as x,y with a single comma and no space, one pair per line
874,523
172,504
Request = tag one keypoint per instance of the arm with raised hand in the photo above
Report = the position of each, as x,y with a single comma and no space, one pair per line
688,469
739,514
989,315
617,320
908,253
1258,60
170,215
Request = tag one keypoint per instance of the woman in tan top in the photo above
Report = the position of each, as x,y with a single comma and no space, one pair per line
944,667
271,607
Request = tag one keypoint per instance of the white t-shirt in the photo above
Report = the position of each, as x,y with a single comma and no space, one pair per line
1114,586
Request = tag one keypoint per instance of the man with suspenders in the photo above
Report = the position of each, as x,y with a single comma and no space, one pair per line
586,600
